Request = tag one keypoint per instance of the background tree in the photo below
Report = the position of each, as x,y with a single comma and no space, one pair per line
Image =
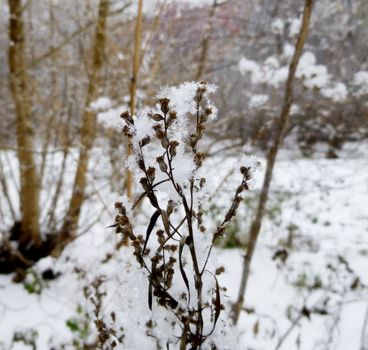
19,81
88,131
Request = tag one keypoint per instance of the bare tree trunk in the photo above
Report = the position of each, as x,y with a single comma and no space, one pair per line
88,130
133,84
281,125
20,90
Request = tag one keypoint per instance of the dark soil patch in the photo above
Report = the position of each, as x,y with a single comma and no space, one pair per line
16,255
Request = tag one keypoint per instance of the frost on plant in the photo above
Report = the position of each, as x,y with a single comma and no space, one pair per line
169,291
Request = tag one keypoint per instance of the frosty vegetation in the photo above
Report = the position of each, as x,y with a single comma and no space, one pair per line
177,281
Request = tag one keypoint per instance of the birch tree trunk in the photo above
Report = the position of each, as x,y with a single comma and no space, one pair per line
88,130
20,90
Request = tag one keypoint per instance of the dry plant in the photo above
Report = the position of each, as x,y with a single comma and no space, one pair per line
174,254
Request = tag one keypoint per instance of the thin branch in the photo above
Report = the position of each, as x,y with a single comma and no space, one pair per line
282,123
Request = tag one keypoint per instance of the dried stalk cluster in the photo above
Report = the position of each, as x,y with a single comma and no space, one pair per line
182,224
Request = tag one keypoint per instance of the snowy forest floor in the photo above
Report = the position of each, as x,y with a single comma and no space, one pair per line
309,283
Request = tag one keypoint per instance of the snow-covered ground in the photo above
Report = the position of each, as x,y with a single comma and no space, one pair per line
317,219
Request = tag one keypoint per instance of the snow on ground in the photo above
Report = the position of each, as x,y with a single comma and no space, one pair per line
317,213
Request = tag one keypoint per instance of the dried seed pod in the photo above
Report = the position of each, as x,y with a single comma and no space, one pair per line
155,259
122,220
174,143
151,172
125,239
135,243
199,94
200,128
161,237
202,182
246,171
156,117
199,157
208,111
173,114
120,207
160,233
164,102
203,118
161,164
159,134
161,240
127,117
140,163
145,141
170,207
127,131
158,130
164,142
232,211
172,148
193,140
220,270
171,118
200,216
169,280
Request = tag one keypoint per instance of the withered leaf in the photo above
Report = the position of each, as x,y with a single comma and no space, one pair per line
150,227
217,303
150,295
182,271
